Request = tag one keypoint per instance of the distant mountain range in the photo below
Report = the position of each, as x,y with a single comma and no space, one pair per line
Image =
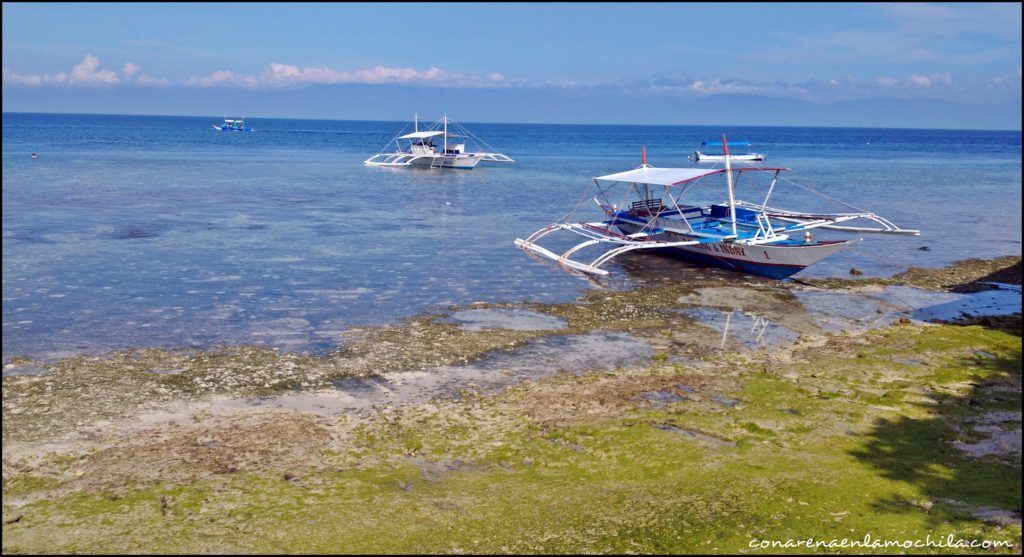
522,105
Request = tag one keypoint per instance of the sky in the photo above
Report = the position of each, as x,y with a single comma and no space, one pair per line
631,62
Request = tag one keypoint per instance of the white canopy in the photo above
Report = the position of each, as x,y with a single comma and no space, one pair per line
420,135
669,176
659,176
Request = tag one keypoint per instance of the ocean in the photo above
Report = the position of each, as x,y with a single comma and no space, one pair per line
157,231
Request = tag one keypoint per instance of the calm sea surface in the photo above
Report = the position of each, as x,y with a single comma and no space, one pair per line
131,231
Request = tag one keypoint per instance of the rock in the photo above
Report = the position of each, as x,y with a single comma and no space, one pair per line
165,504
855,271
13,519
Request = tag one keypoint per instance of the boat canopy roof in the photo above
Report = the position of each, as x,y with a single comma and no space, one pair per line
719,143
421,135
424,135
671,176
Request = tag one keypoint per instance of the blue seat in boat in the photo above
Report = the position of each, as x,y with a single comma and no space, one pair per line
742,215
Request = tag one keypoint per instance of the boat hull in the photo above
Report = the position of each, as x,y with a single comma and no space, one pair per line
701,157
405,159
458,163
773,262
776,261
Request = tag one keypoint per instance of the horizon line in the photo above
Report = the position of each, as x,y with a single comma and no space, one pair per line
1017,130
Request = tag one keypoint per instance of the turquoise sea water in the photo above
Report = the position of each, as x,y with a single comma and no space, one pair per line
132,231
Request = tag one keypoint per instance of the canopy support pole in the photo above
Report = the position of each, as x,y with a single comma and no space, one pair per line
728,179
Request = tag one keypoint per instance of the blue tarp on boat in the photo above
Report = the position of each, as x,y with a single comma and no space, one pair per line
719,144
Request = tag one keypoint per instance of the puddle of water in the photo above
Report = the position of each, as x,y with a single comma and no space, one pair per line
315,402
660,399
500,318
599,350
16,370
714,441
755,318
910,361
775,305
999,442
873,307
836,311
357,385
747,329
165,371
725,401
988,302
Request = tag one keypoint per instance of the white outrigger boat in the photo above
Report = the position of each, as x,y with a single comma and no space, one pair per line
232,126
420,149
748,237
699,156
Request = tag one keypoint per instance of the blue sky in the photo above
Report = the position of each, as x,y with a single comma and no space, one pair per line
78,54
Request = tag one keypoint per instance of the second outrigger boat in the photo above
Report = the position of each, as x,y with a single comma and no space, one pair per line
748,237
230,125
420,148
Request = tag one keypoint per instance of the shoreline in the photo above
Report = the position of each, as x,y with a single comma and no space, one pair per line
102,442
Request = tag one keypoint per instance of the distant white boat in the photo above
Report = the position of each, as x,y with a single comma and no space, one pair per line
420,148
232,126
699,156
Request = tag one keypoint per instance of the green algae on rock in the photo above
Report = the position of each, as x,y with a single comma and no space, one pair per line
834,440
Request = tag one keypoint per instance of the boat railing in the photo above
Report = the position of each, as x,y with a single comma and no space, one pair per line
647,207
829,221
493,157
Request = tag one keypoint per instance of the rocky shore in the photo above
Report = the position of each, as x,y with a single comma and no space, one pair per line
637,421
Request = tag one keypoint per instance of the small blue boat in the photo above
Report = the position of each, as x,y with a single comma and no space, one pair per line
233,126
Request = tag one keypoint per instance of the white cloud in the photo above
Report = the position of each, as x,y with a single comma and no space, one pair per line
86,73
17,79
286,75
153,81
222,77
917,81
941,85
718,86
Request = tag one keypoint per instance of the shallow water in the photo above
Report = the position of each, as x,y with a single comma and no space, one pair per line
872,307
158,231
859,309
748,329
479,319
